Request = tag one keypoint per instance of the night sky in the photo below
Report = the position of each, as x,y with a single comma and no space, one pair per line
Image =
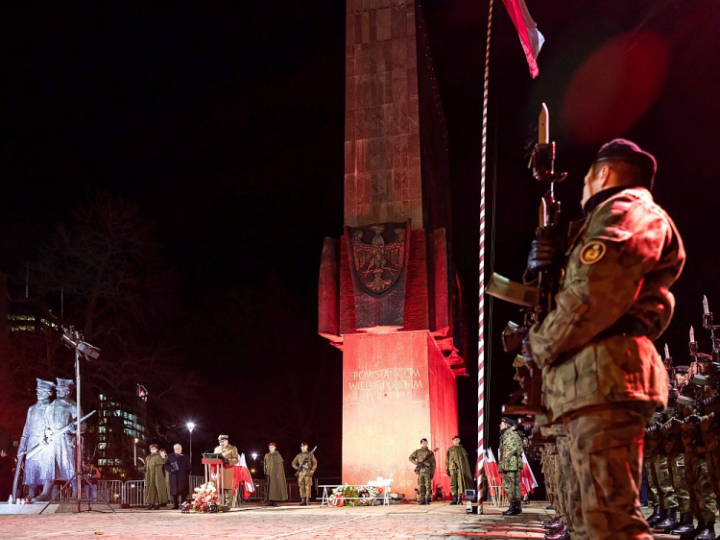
224,122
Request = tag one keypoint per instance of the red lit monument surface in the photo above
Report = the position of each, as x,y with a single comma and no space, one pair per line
388,294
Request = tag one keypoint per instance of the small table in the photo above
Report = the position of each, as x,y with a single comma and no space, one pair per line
328,489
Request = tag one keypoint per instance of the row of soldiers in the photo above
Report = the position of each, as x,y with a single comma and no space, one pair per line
681,459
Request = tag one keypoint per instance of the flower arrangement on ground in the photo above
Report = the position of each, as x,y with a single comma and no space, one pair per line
355,495
205,499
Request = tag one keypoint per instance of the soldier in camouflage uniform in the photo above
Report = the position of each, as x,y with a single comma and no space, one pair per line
510,464
703,502
660,472
602,374
556,476
424,461
651,448
675,451
306,464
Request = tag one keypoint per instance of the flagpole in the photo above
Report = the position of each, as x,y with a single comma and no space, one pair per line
481,272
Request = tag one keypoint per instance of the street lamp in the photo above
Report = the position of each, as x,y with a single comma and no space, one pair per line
254,455
191,426
135,453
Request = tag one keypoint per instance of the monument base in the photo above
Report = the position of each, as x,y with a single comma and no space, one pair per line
397,389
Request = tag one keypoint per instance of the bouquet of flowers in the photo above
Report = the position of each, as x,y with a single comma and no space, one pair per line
205,499
354,495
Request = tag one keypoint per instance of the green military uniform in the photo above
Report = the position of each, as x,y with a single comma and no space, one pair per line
568,490
710,434
230,453
510,464
675,451
274,468
601,372
156,493
306,463
702,497
651,448
458,468
659,467
424,461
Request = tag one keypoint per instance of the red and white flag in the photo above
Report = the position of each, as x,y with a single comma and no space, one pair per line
242,477
527,478
530,37
491,469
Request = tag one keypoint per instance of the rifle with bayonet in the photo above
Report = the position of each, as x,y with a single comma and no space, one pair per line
537,293
304,465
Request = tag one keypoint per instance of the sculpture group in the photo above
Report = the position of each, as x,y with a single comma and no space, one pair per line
48,440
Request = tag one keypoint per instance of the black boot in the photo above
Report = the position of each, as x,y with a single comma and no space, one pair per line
669,522
422,501
428,500
691,534
685,526
706,533
657,516
514,509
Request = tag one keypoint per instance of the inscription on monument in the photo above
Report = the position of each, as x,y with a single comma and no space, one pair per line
395,384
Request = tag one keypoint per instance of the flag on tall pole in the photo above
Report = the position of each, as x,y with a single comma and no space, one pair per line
530,37
481,273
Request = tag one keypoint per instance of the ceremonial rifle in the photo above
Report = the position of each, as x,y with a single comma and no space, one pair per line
303,465
536,298
708,324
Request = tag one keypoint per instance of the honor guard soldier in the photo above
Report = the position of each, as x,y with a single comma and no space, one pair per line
424,460
602,375
305,465
510,464
458,469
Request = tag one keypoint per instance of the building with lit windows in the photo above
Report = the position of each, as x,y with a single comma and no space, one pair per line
121,433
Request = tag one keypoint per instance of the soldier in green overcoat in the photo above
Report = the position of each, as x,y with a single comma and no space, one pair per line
274,468
458,469
511,463
424,461
155,487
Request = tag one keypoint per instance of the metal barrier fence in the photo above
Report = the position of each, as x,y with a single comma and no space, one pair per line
132,492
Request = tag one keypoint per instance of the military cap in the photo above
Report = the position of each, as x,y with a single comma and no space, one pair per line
65,383
628,151
272,444
223,437
45,385
682,369
423,440
456,437
153,446
508,421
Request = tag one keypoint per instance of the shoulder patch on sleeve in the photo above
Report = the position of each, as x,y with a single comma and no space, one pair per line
592,252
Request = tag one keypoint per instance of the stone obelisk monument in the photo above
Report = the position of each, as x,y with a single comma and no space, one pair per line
388,294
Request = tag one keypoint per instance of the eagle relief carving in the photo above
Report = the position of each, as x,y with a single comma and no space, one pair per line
379,263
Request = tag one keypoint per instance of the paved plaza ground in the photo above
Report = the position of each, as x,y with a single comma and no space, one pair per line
408,521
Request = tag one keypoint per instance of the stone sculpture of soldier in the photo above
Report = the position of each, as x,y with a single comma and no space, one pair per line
61,448
36,469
